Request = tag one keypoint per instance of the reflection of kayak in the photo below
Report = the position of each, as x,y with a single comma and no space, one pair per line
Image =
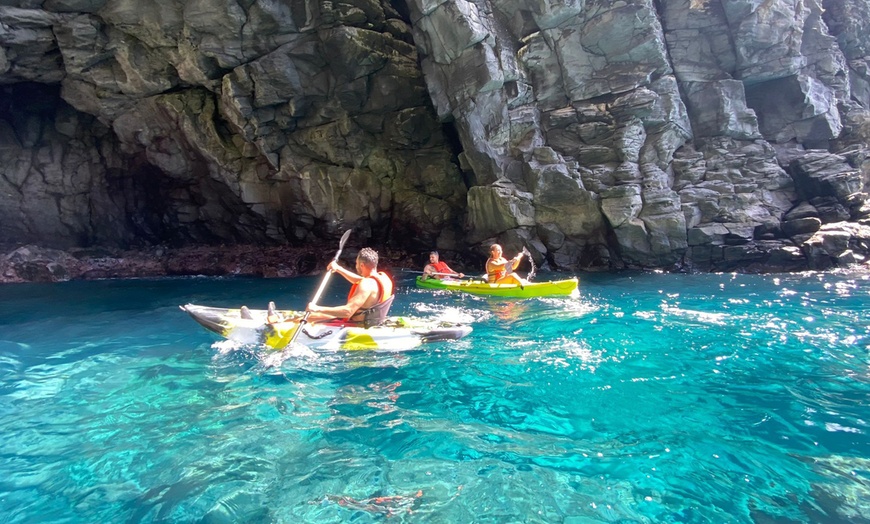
479,287
396,334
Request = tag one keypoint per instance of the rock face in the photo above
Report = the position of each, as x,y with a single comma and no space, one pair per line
678,134
131,122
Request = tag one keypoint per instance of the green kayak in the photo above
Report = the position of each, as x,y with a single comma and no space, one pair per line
553,288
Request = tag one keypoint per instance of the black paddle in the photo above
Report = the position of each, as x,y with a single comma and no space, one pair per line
454,275
321,288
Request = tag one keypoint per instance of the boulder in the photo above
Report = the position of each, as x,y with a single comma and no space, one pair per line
801,226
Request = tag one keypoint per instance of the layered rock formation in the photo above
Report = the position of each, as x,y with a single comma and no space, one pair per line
679,134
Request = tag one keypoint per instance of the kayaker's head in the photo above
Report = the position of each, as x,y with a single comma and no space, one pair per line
495,251
367,261
433,257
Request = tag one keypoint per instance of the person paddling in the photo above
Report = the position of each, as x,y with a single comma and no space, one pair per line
370,297
437,268
499,270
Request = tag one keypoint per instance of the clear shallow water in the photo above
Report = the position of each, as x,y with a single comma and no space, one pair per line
647,398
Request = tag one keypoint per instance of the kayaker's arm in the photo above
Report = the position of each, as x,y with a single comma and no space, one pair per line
354,304
497,265
349,275
501,264
451,271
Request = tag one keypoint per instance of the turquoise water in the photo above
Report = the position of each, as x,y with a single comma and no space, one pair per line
647,398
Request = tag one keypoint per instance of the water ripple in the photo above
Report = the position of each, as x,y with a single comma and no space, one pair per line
646,398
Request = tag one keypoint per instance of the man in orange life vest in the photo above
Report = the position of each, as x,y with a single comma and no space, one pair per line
370,288
437,269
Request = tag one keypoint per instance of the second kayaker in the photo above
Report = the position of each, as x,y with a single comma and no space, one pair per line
439,269
500,270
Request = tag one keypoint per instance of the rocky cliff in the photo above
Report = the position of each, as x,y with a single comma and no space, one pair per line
678,134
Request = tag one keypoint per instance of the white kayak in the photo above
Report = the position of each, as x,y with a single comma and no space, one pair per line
396,334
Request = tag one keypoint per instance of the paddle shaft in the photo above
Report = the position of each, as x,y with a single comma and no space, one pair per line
321,288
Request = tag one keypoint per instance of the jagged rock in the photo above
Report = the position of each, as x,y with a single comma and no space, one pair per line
801,226
560,199
666,225
707,234
621,204
37,264
497,209
650,134
797,107
831,243
830,209
824,174
802,210
848,258
786,258
719,109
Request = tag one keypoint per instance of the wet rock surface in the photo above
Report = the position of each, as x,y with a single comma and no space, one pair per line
830,246
35,264
30,263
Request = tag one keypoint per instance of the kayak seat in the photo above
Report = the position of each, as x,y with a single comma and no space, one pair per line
377,314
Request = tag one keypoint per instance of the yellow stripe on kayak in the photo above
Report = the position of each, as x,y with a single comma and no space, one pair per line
358,339
279,335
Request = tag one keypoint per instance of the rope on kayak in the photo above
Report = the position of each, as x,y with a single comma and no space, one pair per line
531,274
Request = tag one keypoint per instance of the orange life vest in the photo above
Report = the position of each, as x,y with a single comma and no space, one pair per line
441,267
493,276
385,289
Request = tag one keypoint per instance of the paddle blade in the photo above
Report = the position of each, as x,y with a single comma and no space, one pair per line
531,274
341,243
